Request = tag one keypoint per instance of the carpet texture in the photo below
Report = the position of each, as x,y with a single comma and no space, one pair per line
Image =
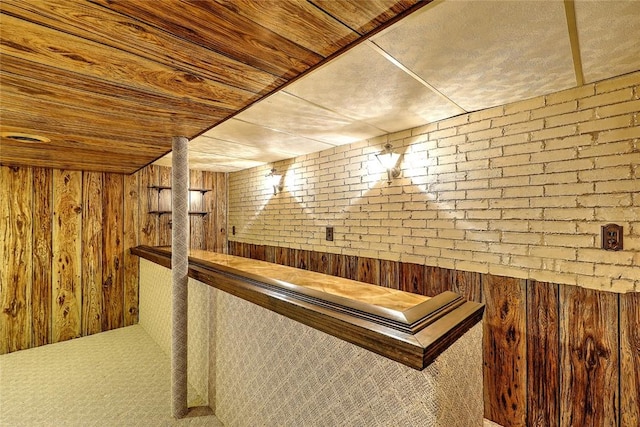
116,378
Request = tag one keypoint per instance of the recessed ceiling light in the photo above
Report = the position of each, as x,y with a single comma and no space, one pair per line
25,137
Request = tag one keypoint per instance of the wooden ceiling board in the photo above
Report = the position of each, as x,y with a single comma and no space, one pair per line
28,91
77,55
306,26
50,155
99,24
217,28
99,88
365,16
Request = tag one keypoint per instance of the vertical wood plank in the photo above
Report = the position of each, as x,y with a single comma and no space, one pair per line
209,239
113,252
131,229
350,266
148,222
220,206
505,382
42,256
390,274
467,284
270,254
92,226
589,357
15,258
67,258
543,354
320,262
258,252
282,255
630,359
164,221
301,259
412,278
368,270
437,280
196,203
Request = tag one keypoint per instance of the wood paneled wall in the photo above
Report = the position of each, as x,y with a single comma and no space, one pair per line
554,355
65,267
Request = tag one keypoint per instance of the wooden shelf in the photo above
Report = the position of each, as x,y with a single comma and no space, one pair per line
414,333
161,205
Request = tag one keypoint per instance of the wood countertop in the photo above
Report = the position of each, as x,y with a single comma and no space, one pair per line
409,328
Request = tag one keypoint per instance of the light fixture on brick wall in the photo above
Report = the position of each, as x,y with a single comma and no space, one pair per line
274,180
389,160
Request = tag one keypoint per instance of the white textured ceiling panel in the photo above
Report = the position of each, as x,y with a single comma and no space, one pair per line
263,139
290,114
212,162
366,86
609,36
482,54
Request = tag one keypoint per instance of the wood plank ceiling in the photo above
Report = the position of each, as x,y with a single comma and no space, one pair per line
109,82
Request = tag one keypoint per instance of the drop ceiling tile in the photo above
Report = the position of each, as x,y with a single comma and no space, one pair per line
212,162
266,140
366,86
292,115
483,54
207,145
609,34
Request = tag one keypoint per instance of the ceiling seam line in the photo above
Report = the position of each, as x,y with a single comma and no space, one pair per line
572,28
413,75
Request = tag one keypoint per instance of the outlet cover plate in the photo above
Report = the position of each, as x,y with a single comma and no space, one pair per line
329,234
612,237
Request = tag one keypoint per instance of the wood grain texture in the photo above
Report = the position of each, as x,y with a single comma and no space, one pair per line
67,255
412,278
301,259
131,230
113,252
307,25
320,262
589,357
390,274
259,48
468,284
505,350
437,280
220,208
42,255
630,359
92,245
15,259
368,270
543,354
365,16
164,221
196,203
98,24
148,201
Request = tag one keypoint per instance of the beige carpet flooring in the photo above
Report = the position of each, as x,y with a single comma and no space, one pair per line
115,378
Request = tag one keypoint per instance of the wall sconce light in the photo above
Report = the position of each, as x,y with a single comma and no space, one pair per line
389,160
274,180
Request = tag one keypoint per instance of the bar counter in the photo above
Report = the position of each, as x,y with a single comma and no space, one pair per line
408,328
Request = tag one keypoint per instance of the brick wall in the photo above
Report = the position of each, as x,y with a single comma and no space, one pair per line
519,190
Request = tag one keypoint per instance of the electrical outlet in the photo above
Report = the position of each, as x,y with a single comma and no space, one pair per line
329,234
612,237
233,230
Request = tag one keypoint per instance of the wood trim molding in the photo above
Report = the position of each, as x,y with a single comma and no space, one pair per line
414,337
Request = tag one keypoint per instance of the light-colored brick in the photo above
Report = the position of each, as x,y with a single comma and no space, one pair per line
608,98
529,104
615,122
570,118
571,94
